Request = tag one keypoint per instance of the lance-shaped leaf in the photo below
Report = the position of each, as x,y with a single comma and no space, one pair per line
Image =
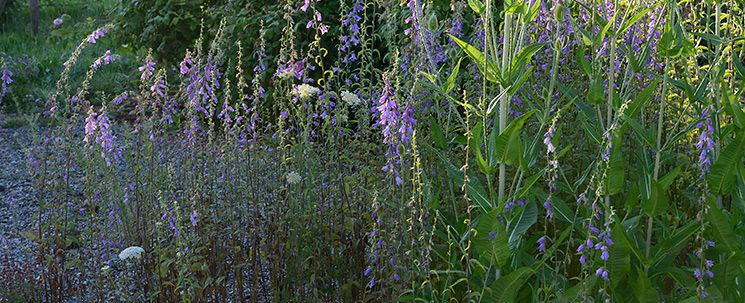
503,290
521,222
657,202
486,66
722,175
490,241
506,145
721,230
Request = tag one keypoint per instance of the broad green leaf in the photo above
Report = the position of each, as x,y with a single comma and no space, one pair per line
532,12
503,290
520,223
591,130
601,35
584,65
657,202
490,241
732,107
477,6
515,87
711,39
510,138
437,134
615,174
477,133
721,230
586,37
739,68
722,174
668,179
668,249
643,289
429,77
528,184
726,273
595,94
450,83
632,198
620,256
487,67
641,99
518,63
639,130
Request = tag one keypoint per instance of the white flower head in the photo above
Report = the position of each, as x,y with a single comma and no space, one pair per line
305,91
350,98
131,252
293,178
285,74
342,118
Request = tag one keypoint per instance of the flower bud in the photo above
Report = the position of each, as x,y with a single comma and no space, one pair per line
559,12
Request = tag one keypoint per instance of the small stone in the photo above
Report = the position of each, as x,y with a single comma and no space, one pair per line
2,188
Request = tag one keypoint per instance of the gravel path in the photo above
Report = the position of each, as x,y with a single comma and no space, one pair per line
19,199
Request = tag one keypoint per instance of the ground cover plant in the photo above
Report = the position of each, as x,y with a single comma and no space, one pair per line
413,151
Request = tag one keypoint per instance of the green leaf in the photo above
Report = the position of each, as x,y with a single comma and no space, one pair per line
518,63
490,241
629,22
668,249
477,6
475,190
615,174
450,83
528,184
584,65
722,174
641,99
639,130
591,130
668,179
620,257
475,144
732,107
657,202
601,35
509,140
739,68
437,134
643,289
595,94
503,290
487,67
586,37
515,87
721,230
520,223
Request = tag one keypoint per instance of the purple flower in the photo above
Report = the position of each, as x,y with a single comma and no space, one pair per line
148,68
542,244
697,274
57,21
193,218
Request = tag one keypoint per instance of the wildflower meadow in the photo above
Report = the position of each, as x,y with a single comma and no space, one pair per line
373,151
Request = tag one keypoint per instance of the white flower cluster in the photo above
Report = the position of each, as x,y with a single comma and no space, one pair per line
131,252
293,178
350,98
305,91
342,118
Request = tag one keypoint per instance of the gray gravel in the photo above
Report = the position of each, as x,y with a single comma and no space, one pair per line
19,199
